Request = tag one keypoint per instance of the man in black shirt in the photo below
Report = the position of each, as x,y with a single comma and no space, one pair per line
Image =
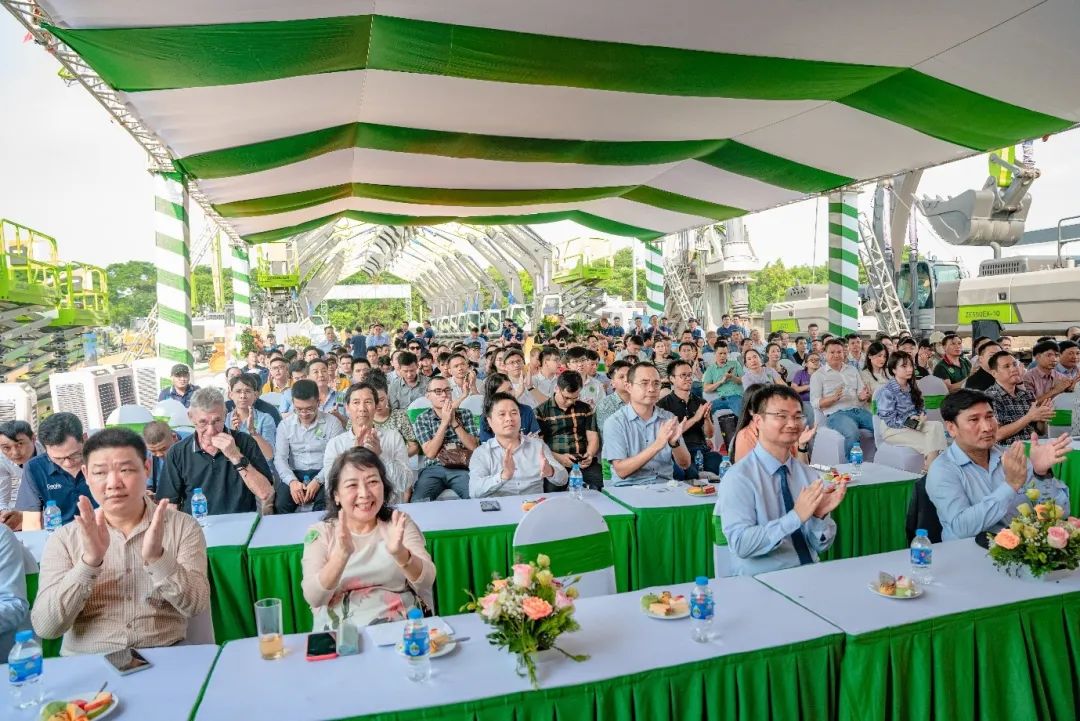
226,464
693,412
982,379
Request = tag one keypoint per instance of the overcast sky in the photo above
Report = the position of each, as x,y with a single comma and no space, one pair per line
69,171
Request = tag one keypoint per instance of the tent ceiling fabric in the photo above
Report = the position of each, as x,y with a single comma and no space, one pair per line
628,116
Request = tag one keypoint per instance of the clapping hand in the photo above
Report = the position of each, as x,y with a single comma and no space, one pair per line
508,466
829,501
864,394
1016,464
546,471
809,499
838,393
1041,411
343,546
1045,456
94,532
807,435
395,537
152,541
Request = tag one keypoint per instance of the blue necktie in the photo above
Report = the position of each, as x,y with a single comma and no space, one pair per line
797,537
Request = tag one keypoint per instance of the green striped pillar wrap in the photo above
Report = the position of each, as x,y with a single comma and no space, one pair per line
241,287
654,278
173,240
843,263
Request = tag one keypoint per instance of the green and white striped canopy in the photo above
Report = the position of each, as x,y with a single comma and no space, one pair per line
634,117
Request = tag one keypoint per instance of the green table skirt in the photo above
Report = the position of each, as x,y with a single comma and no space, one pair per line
1019,661
464,560
675,545
785,683
1068,472
50,647
231,605
871,519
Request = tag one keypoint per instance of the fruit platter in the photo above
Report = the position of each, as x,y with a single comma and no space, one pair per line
833,478
100,705
899,587
706,490
665,605
529,505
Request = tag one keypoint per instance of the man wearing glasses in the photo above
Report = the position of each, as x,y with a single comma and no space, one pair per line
444,427
55,476
641,440
693,413
773,508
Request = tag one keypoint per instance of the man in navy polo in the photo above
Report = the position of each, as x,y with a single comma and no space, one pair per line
181,388
55,475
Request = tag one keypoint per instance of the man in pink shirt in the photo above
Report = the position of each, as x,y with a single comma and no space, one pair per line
1044,381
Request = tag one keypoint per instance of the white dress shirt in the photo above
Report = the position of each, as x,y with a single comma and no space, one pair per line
826,381
394,456
485,469
303,447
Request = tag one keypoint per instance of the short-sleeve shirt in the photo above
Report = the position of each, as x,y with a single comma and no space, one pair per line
731,387
626,434
953,373
171,394
695,434
188,466
427,423
564,430
1011,408
44,481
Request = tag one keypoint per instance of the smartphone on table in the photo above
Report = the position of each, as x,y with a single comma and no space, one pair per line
321,646
127,661
489,506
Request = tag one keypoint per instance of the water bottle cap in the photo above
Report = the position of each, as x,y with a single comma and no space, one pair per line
921,532
24,636
50,502
702,580
415,613
197,490
575,467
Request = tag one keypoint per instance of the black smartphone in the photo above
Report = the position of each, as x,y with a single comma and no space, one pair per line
127,661
321,646
490,506
913,423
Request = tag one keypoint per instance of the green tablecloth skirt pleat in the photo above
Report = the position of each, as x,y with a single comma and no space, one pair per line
871,519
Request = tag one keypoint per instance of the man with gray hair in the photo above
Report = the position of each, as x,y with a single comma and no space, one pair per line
226,464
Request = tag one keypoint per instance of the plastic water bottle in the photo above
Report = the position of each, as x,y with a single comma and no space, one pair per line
24,670
701,610
699,460
922,558
199,508
725,466
856,460
53,518
416,645
577,482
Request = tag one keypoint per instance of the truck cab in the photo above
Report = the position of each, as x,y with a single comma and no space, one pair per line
929,275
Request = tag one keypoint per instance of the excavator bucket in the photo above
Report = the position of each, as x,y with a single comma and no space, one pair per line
971,218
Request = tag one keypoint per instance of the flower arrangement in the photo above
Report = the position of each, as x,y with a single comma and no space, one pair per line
1040,539
528,611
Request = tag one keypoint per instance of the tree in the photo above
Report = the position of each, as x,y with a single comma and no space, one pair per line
770,284
621,282
202,280
132,290
389,312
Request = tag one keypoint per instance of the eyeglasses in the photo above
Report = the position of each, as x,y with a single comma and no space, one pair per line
76,457
207,423
683,375
439,391
648,384
784,417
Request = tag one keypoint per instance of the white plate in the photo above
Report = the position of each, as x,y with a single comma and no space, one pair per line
672,617
89,696
701,495
914,594
450,646
389,634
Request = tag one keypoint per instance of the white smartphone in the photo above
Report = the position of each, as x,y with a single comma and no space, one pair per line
127,661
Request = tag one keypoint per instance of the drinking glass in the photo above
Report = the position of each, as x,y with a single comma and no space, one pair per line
268,627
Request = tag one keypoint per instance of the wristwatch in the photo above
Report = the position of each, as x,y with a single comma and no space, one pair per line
805,448
241,464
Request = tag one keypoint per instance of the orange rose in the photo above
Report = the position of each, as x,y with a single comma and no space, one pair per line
1007,539
1040,511
536,608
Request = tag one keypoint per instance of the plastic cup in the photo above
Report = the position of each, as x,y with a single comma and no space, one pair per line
268,627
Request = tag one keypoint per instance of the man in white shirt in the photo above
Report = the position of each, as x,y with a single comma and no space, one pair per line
462,377
544,381
407,385
774,509
385,442
837,391
592,390
300,445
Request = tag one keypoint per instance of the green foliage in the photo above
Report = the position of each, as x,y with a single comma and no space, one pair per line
132,290
390,312
249,341
621,282
769,284
203,283
1027,541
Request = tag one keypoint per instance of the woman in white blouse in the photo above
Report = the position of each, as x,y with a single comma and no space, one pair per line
511,464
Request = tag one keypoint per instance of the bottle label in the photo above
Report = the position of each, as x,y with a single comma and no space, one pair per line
198,508
701,607
921,556
24,669
416,643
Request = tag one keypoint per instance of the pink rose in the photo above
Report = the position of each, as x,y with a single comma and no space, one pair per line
523,573
488,606
536,608
562,600
1057,537
1074,521
1007,539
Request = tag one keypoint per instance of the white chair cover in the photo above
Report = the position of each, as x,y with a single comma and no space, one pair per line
547,528
1064,402
894,455
932,386
417,407
828,447
474,404
274,398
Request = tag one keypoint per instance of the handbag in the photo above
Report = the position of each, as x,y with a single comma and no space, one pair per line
454,458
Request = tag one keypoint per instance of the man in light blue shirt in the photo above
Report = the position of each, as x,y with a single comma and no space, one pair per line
641,440
773,509
377,337
974,485
14,608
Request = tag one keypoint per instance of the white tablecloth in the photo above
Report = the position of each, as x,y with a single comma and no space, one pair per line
658,495
165,692
875,473
619,637
228,529
964,579
431,516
